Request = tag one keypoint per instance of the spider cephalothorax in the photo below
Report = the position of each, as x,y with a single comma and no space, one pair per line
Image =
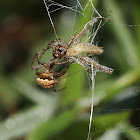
59,50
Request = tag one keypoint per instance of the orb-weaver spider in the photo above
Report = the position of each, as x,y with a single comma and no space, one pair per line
48,78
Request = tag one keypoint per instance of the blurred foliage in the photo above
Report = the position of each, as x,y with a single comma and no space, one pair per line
29,112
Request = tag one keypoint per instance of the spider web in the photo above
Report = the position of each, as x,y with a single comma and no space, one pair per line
79,9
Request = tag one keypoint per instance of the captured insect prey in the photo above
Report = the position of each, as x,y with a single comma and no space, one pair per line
68,53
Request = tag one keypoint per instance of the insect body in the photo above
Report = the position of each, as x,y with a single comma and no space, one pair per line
83,47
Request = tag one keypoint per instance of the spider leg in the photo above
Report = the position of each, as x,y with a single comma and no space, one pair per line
44,64
62,62
39,54
48,47
35,67
54,63
60,74
58,90
47,65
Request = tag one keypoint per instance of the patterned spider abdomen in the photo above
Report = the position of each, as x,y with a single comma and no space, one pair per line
46,80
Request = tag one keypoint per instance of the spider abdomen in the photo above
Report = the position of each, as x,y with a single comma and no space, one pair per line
46,81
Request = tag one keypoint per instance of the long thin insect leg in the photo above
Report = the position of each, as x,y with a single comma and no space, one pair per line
79,36
90,61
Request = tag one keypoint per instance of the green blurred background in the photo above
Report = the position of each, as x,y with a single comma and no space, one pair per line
29,112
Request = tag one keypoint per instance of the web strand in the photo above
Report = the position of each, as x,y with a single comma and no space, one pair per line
50,19
92,105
